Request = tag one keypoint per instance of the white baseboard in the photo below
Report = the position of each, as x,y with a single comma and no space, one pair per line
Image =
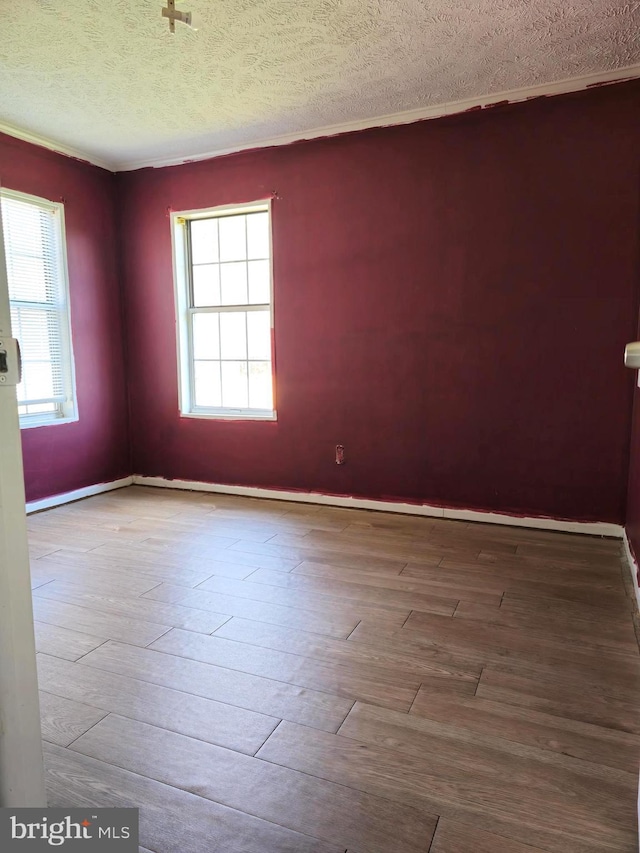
590,528
77,494
593,528
633,567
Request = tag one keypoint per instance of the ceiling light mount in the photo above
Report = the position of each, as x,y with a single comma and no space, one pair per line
169,11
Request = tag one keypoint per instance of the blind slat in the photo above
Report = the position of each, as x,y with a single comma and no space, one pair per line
38,299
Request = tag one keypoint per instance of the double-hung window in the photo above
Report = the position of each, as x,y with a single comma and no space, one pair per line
39,300
225,311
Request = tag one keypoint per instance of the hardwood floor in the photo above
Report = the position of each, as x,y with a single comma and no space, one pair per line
267,677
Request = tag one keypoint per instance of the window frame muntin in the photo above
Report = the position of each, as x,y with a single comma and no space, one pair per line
183,293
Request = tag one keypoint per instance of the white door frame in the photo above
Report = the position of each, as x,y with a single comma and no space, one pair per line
21,763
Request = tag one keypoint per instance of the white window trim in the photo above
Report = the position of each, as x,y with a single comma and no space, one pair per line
181,278
70,404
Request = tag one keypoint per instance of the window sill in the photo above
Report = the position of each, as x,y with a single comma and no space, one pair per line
36,423
231,416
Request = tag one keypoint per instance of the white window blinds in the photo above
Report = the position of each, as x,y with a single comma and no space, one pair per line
38,295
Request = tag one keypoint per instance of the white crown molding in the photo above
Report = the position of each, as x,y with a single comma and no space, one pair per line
592,528
53,145
573,84
77,494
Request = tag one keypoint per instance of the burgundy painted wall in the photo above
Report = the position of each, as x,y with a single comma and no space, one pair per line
452,299
95,449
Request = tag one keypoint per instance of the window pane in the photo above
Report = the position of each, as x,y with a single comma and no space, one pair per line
258,235
233,282
259,335
39,333
206,336
233,238
235,392
233,335
207,383
25,226
36,332
28,279
259,282
204,241
32,249
39,312
231,345
206,285
260,385
38,380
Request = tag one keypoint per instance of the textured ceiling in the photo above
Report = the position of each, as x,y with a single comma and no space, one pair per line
107,78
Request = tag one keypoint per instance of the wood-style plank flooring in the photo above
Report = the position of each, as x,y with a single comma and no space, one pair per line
267,677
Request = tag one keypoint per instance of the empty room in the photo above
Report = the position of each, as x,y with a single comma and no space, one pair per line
320,473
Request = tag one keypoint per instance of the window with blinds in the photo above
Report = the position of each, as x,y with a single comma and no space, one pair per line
223,278
39,300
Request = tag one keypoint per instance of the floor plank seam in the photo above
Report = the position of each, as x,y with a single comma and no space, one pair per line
325,779
271,734
353,629
151,642
433,837
317,610
36,586
475,692
253,754
246,577
414,699
104,642
82,734
155,586
226,621
355,701
215,666
407,619
50,553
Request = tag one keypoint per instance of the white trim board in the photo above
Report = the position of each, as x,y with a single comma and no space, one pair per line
53,145
593,528
633,568
77,494
560,87
512,96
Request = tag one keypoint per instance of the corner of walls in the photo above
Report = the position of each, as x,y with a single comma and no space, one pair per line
64,458
119,219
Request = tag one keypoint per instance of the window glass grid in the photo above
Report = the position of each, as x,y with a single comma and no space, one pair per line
229,313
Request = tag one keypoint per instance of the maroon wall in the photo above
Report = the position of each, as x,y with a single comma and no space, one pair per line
452,301
63,457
